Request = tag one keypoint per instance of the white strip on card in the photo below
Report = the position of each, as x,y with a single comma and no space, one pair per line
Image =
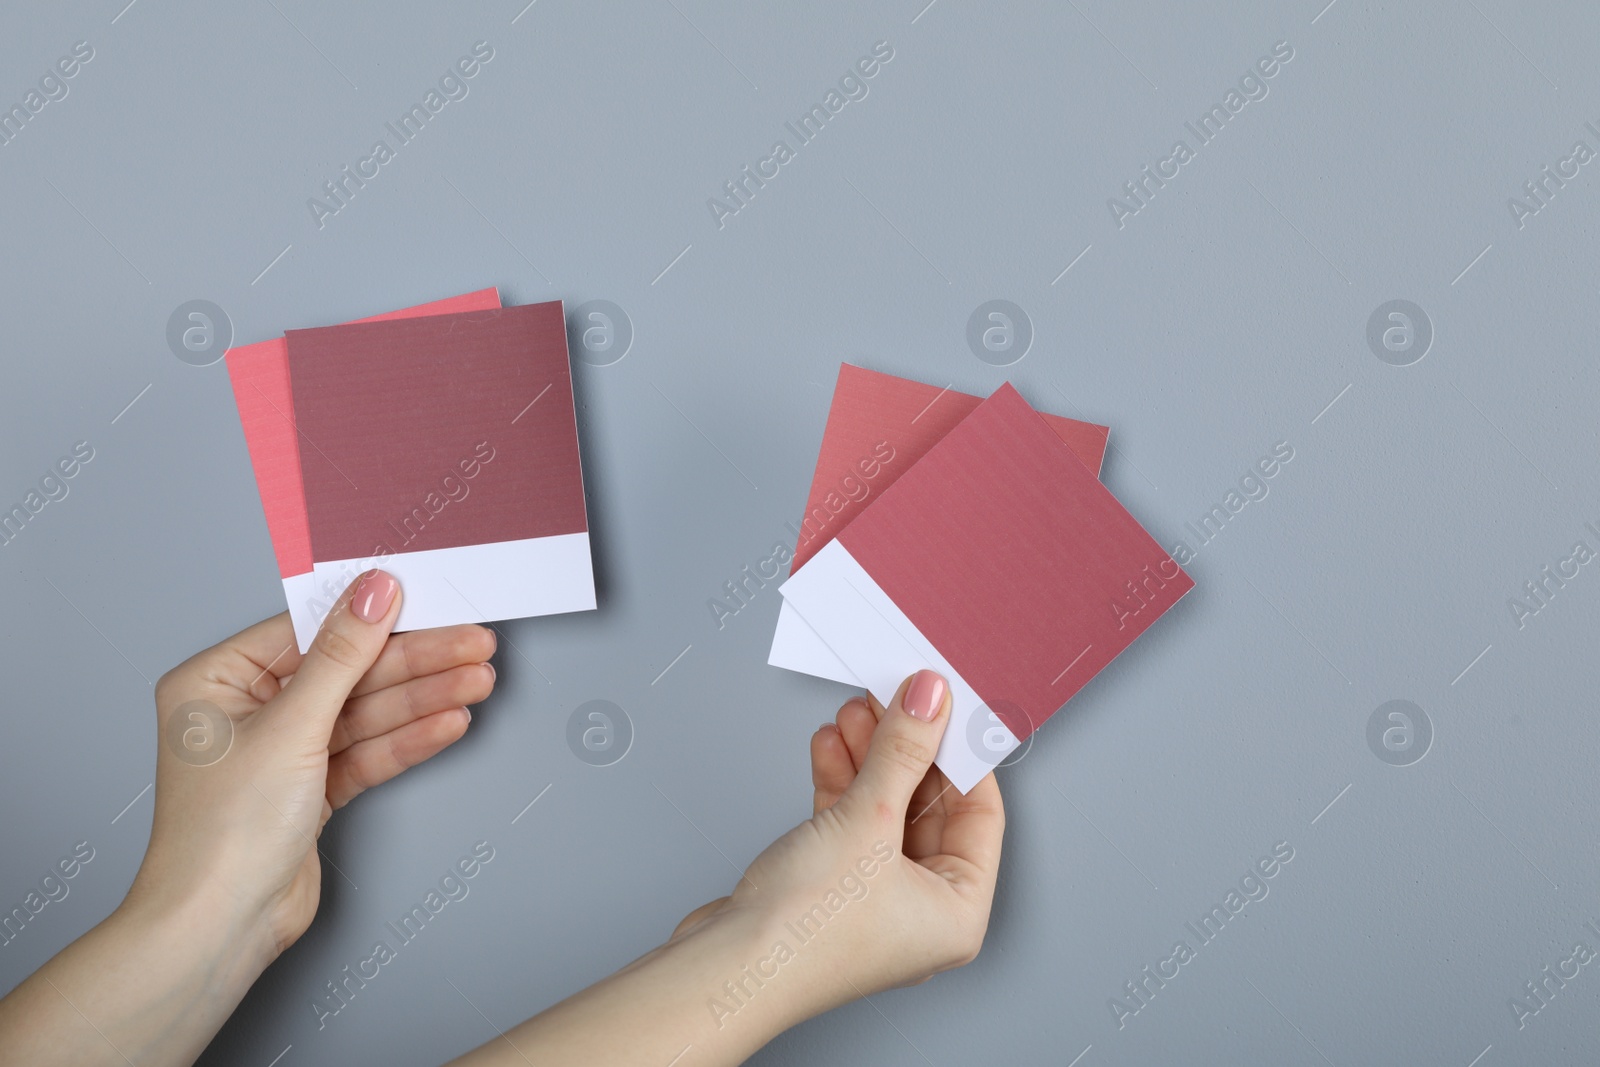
467,583
797,647
882,646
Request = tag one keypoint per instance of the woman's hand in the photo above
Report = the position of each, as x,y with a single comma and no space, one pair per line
259,745
889,882
308,734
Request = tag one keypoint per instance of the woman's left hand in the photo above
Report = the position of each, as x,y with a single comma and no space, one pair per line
304,735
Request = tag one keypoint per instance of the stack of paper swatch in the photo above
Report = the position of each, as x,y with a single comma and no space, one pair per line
971,537
439,443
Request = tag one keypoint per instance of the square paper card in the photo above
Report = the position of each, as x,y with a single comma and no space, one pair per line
445,449
1001,562
259,374
878,426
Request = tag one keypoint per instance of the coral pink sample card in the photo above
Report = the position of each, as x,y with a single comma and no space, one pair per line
259,374
444,448
878,426
998,560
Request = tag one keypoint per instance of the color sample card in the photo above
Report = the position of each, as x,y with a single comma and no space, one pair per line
895,420
998,560
259,374
444,448
878,426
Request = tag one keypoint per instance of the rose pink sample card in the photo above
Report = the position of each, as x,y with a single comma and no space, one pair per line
998,560
444,449
878,426
259,374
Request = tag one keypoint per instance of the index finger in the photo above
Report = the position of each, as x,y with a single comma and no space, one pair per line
271,647
974,825
269,644
419,653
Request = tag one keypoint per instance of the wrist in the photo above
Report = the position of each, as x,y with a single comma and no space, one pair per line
678,995
749,977
201,928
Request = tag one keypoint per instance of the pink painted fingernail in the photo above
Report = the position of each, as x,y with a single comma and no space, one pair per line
924,696
373,594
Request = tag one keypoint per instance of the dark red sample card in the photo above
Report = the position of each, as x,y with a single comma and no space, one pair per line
260,376
445,450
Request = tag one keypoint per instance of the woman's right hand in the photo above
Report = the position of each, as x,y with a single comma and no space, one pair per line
891,879
888,883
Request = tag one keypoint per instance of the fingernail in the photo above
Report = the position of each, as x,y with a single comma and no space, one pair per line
373,595
469,713
493,674
924,696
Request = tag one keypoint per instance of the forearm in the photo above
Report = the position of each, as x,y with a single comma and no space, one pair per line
150,985
663,1008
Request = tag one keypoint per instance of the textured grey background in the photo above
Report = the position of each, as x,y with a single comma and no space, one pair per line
1224,317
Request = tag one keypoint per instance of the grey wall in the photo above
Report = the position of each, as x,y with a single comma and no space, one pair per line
1228,314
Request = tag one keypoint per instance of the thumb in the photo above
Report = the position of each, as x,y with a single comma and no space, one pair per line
904,743
345,648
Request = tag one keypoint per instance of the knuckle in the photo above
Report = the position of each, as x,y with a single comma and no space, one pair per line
408,655
165,685
972,945
975,930
365,771
466,644
387,763
334,644
479,684
963,949
907,753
